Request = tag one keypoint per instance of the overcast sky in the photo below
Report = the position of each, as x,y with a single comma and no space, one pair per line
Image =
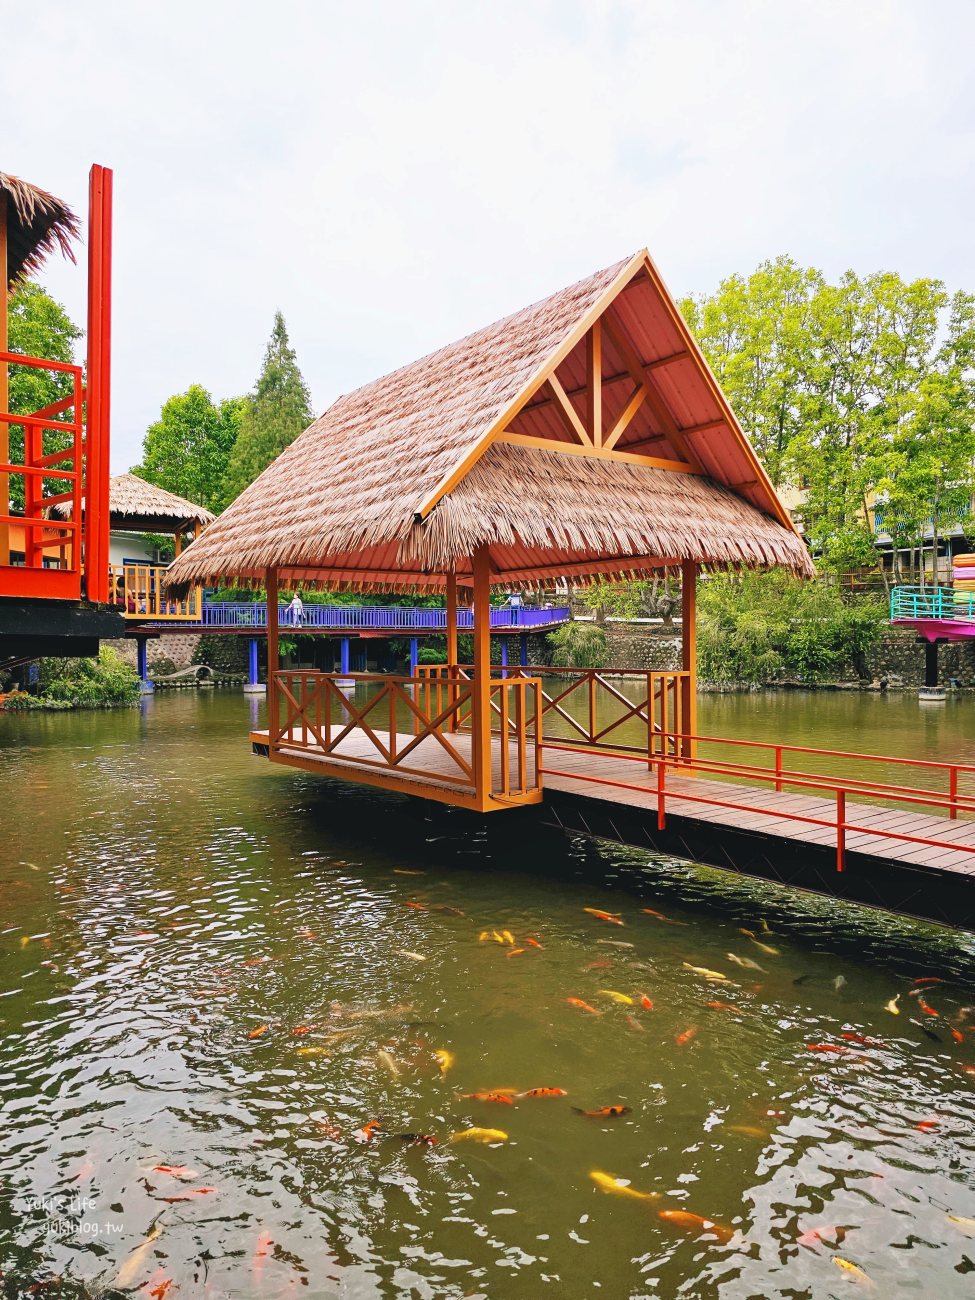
394,175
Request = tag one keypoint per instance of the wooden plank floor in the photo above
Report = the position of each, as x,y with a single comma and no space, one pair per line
436,765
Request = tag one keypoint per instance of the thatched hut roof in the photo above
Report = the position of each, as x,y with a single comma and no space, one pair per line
136,506
400,480
37,223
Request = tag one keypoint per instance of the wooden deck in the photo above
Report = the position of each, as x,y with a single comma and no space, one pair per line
762,837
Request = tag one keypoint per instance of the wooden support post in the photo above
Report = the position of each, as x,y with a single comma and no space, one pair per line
177,543
481,686
688,641
273,698
451,646
594,382
4,393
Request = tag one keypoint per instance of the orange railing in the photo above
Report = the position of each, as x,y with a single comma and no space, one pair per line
781,778
43,554
605,716
139,590
312,715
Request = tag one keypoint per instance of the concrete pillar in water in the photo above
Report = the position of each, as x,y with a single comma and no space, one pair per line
931,692
523,639
504,654
253,684
142,663
414,655
344,679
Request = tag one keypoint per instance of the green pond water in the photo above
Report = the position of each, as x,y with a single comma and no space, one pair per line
165,896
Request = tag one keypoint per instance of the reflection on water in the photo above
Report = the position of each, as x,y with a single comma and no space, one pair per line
174,911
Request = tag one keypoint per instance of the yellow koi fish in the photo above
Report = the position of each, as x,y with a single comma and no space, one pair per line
852,1270
620,1186
703,971
445,1059
892,1006
136,1262
480,1135
622,998
745,963
765,947
508,937
311,1051
384,1059
959,1220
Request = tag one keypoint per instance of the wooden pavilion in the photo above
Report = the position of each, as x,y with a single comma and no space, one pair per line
584,437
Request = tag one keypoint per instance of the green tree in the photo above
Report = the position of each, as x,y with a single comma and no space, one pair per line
578,645
38,327
187,449
278,411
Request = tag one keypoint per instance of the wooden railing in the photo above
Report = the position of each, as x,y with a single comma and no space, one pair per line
591,709
140,591
311,714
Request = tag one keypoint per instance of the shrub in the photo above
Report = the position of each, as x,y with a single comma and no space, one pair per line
103,683
578,645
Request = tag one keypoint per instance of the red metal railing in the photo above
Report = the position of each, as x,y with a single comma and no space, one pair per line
780,777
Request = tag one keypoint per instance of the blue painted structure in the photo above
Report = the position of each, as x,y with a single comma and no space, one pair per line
372,618
252,676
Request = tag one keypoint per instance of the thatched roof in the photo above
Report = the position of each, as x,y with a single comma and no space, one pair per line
136,506
37,223
402,479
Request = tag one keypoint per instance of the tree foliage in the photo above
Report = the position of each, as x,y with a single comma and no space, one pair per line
187,449
278,411
654,598
578,645
764,627
38,327
103,683
850,391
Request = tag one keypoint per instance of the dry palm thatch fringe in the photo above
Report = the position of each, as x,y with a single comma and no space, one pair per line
134,498
37,223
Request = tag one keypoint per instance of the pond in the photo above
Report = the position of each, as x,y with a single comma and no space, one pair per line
246,1012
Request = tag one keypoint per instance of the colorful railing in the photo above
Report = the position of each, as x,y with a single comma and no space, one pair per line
139,590
918,604
312,715
374,618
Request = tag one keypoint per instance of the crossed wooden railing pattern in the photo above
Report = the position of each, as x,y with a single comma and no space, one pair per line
659,703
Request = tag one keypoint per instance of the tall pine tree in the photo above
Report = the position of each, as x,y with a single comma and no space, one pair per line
278,411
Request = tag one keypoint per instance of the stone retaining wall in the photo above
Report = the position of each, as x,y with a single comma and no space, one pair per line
177,646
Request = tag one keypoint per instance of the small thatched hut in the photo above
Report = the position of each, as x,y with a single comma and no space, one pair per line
582,437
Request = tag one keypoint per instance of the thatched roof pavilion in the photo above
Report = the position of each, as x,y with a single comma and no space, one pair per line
582,437
136,506
37,223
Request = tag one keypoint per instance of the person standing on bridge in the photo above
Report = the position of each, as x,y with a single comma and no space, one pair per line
297,610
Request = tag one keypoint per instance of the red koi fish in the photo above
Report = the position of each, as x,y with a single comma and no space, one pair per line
417,907
368,1131
533,943
646,1002
696,1224
543,1092
604,1112
813,1235
827,1047
928,1125
721,1006
613,918
957,1035
502,1097
303,1029
183,1172
861,1039
262,1250
683,1039
928,979
928,1011
583,1006
190,1192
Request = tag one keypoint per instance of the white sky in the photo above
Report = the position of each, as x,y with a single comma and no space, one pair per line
394,175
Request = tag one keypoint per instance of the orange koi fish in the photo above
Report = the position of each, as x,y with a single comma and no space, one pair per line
514,952
660,916
613,918
157,1290
417,907
696,1224
957,1035
447,909
583,1006
403,871
544,1092
176,1171
604,1112
502,1097
263,1248
928,1011
256,1033
254,961
185,1196
812,1235
368,1131
927,1125
682,1039
967,1069
827,1047
645,1002
303,1029
721,1006
533,943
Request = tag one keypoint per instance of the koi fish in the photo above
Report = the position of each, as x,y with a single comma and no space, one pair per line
312,1051
413,956
185,1196
927,1125
660,916
622,998
683,1039
714,975
444,1058
135,1263
852,1270
967,1069
765,947
256,1033
620,1186
801,979
635,1025
404,871
331,1131
928,1033
959,1220
696,1224
583,1006
598,965
833,1048
604,1112
418,1139
746,963
749,1130
721,1006
533,943
544,1092
183,1172
261,1251
928,1010
508,937
447,910
485,1135
417,907
160,1290
498,938
861,1039
613,918
928,979
957,1035
502,1097
514,952
646,1002
839,982
892,1006
615,943
368,1131
812,1235
302,1029
384,1059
